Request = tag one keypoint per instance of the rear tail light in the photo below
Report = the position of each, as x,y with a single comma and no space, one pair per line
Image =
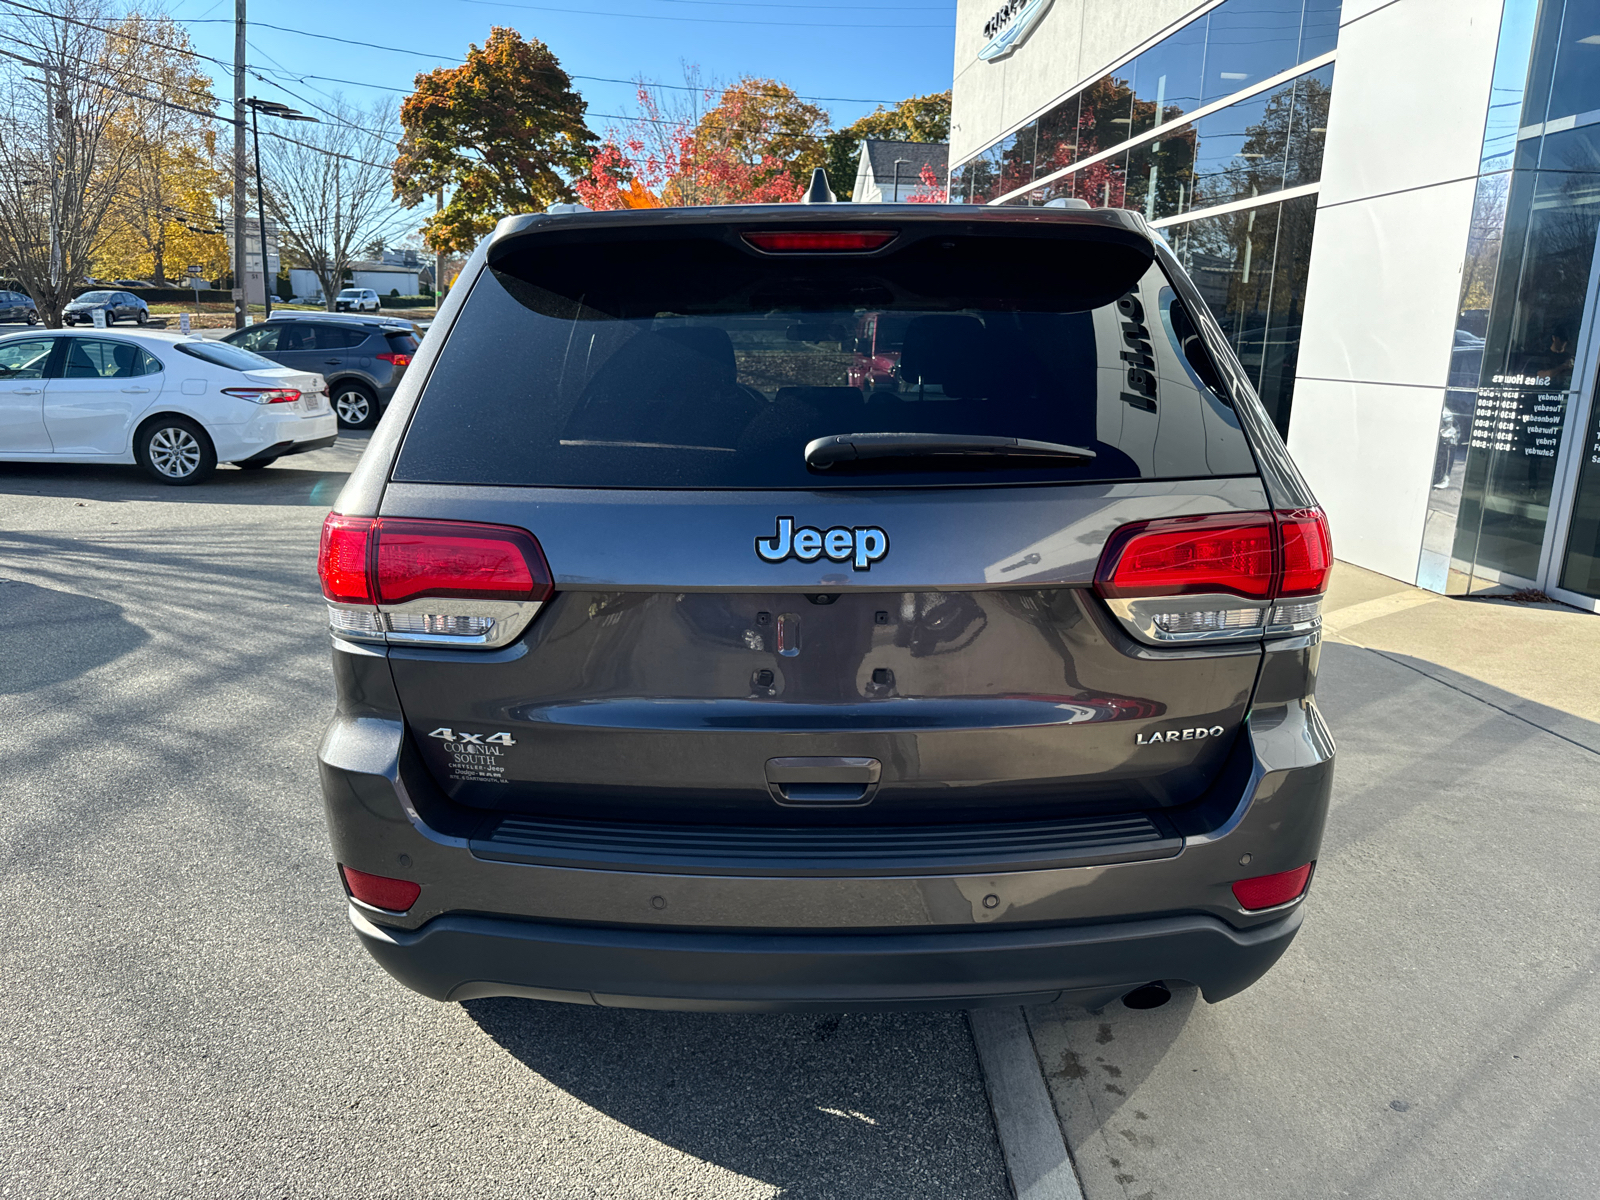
430,582
806,241
264,395
379,891
396,360
1220,576
1269,891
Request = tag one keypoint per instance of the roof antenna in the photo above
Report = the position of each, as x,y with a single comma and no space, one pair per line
819,192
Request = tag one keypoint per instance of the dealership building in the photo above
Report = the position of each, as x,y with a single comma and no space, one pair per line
1391,207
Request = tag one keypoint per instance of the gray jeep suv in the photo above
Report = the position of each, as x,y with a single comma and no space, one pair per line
674,671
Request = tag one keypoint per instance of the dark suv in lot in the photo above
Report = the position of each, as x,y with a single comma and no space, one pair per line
677,670
363,358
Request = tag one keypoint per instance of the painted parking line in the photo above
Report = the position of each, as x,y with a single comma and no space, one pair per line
1030,1135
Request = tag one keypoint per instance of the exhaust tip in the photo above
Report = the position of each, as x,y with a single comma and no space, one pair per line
1151,995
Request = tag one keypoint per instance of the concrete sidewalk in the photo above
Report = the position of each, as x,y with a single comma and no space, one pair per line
1433,1030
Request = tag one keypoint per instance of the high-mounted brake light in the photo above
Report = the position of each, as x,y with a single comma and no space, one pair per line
380,891
806,241
258,395
1269,891
424,581
1216,576
396,360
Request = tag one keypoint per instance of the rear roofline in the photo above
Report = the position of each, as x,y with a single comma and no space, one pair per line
1113,221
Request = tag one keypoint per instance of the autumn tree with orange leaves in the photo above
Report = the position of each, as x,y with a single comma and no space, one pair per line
501,133
756,143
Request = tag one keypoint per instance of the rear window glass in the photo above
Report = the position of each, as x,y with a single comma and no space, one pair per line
224,354
401,343
676,388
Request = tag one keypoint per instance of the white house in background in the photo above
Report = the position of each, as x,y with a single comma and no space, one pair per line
888,172
382,278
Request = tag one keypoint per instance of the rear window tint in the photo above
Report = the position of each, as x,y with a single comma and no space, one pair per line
538,387
401,343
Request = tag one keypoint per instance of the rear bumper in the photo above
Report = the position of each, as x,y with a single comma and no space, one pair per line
469,957
280,449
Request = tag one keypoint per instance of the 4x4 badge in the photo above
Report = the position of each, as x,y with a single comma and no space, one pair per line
473,739
860,546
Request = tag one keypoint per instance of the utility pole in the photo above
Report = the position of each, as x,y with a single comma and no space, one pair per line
238,166
438,258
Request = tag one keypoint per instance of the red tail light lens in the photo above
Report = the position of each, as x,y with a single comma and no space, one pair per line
1259,555
397,360
395,895
342,559
1181,556
447,558
801,241
1269,891
1307,552
264,395
385,560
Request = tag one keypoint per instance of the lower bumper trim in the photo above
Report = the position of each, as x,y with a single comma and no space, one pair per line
469,957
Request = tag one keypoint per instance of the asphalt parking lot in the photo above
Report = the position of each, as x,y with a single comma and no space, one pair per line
187,1013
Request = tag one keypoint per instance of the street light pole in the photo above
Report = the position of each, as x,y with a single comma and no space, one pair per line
282,111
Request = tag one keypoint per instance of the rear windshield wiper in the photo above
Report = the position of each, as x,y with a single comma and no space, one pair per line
824,452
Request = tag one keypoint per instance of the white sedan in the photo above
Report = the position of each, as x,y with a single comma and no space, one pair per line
177,405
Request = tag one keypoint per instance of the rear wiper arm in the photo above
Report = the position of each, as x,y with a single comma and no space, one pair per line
824,452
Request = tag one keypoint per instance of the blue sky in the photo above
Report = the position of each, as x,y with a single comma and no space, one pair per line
869,51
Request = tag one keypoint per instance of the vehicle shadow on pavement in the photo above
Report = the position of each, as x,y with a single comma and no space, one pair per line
109,484
818,1105
84,633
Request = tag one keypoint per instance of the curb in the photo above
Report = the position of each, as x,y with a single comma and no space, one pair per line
1037,1162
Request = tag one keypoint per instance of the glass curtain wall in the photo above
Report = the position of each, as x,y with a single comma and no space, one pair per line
1230,49
1095,145
1527,282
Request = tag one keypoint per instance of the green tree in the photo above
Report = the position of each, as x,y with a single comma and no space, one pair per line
501,133
914,119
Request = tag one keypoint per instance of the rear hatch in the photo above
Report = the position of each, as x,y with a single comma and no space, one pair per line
779,599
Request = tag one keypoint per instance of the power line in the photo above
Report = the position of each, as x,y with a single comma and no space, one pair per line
589,12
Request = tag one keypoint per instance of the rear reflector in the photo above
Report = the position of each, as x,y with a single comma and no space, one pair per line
393,895
1269,891
800,241
1186,556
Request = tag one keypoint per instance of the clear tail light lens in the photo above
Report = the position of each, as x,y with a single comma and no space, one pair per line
1269,891
1220,576
415,581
